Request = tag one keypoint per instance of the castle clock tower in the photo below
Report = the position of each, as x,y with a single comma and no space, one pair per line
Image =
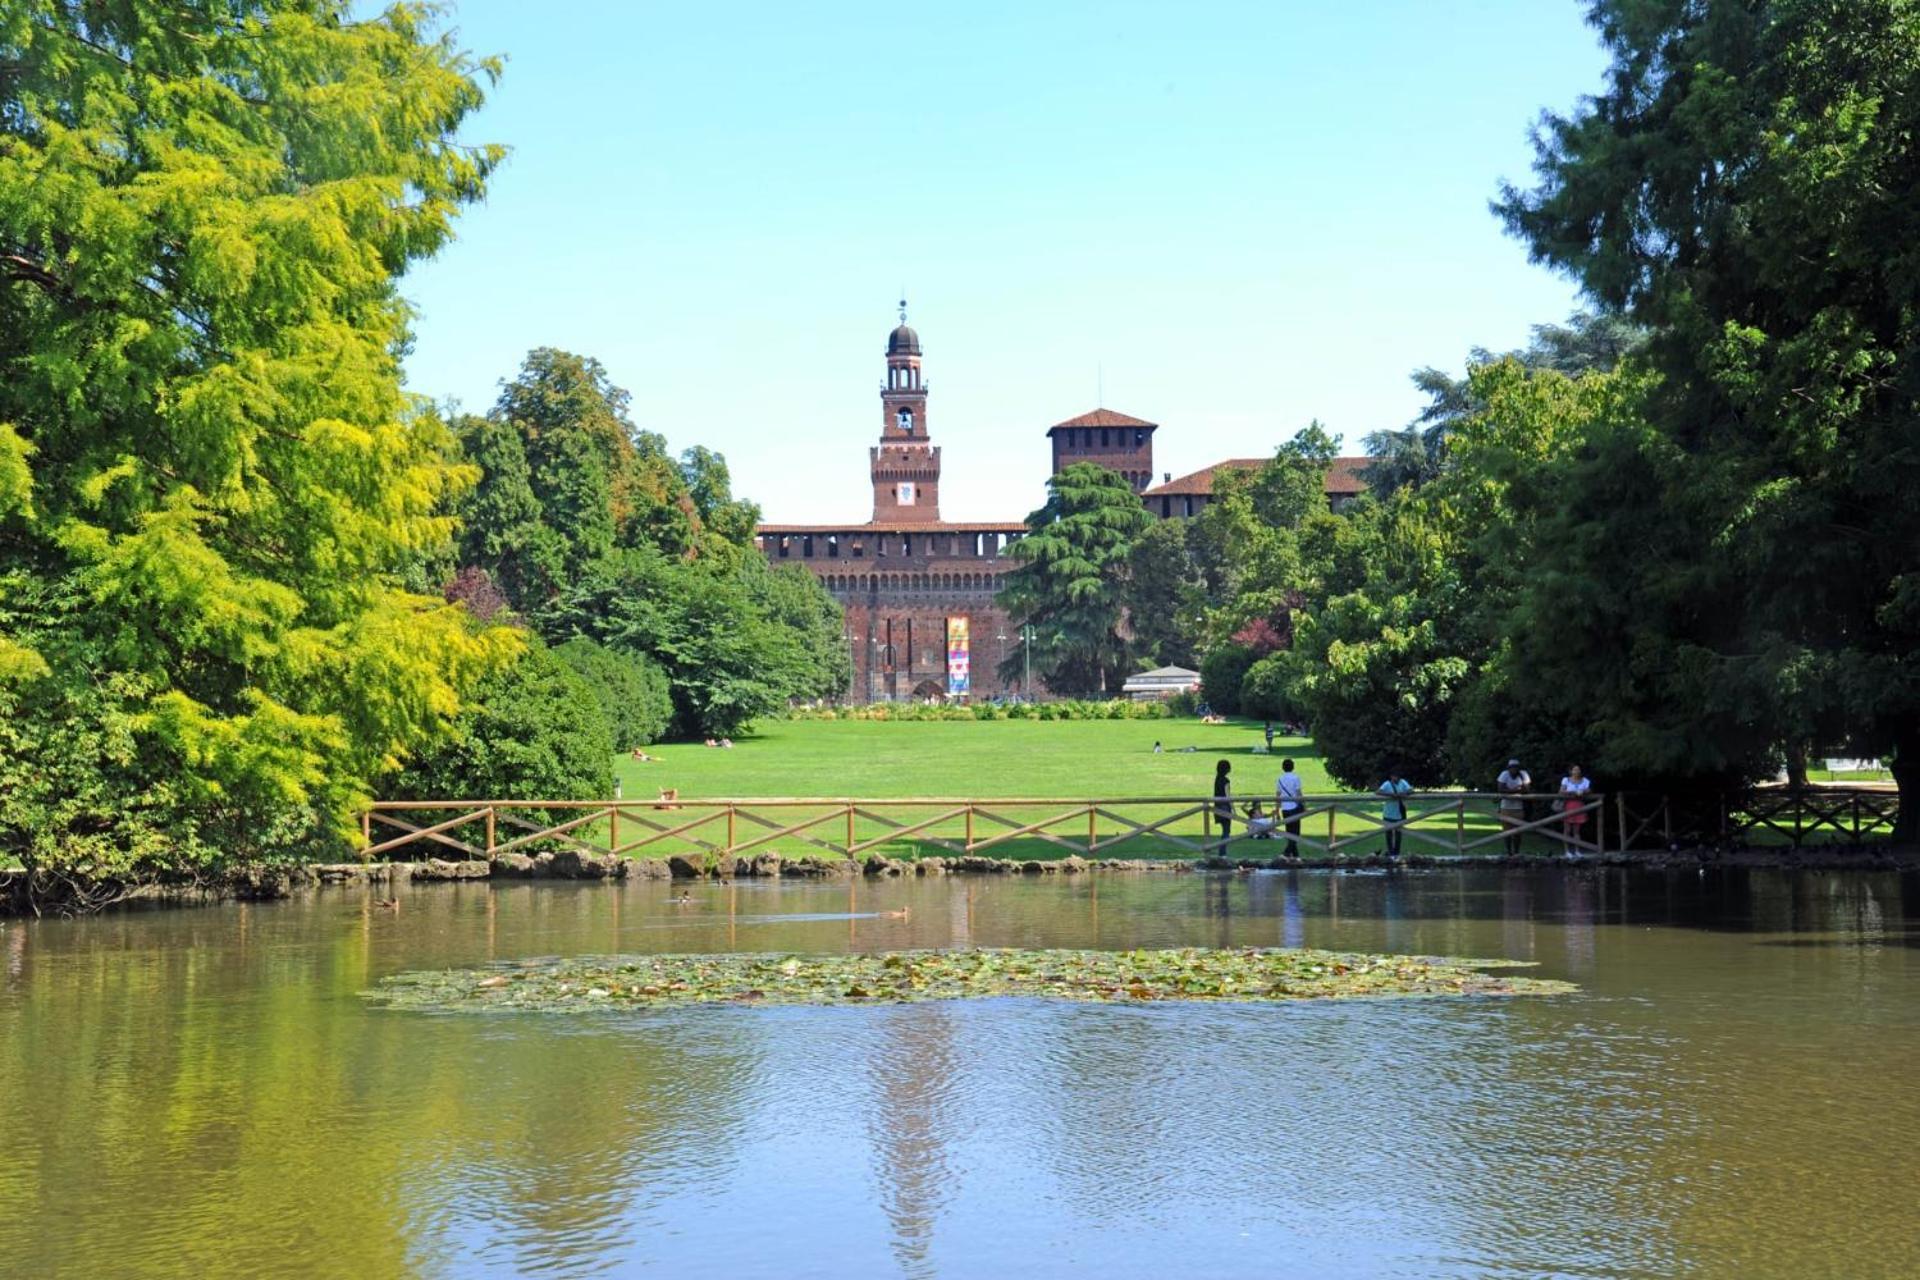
905,466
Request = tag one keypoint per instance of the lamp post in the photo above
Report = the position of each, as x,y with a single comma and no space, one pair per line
1026,657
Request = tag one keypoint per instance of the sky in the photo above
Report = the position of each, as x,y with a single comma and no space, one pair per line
1229,219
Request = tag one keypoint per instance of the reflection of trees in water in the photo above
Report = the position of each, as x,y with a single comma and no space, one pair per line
913,1073
208,1093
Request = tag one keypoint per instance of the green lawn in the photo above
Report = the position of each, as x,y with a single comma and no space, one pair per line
983,758
1068,760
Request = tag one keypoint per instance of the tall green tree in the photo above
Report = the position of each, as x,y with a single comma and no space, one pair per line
1070,585
1163,595
1417,454
211,483
1747,185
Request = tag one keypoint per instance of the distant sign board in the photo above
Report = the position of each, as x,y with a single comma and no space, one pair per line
959,659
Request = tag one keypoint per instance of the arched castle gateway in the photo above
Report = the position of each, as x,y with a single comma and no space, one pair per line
918,590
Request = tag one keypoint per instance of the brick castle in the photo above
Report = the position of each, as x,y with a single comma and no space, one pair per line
918,591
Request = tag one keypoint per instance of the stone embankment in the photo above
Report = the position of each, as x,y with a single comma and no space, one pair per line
19,896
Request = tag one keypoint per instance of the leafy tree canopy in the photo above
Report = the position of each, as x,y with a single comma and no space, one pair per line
1746,186
212,487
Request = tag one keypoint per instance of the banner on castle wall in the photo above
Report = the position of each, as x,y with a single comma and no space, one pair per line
959,659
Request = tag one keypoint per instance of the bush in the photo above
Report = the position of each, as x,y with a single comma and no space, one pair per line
1068,709
534,731
631,688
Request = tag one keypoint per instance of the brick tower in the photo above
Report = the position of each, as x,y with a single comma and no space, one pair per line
1117,441
906,468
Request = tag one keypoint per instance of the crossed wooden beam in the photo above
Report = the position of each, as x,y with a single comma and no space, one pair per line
695,823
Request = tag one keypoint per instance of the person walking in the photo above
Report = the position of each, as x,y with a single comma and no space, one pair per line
1396,789
1269,735
1223,803
1513,783
1573,794
1289,792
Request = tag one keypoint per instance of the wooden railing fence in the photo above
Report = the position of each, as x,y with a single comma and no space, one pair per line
1329,825
1441,822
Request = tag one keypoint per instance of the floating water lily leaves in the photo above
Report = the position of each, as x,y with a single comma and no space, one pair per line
600,983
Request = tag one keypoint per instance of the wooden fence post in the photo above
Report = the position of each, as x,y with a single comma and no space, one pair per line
969,844
849,828
1460,825
729,848
613,827
1620,807
489,833
1093,832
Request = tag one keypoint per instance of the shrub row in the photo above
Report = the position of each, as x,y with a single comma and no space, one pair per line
1071,709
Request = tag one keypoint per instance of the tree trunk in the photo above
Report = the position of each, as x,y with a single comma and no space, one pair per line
1906,777
1797,766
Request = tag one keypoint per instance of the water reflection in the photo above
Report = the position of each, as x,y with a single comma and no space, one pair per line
209,1096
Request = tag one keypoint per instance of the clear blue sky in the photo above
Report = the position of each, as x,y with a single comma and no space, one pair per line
1247,215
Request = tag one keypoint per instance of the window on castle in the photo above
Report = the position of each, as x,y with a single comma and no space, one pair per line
905,419
1103,437
783,548
833,548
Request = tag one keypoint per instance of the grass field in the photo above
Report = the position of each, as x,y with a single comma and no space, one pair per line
987,760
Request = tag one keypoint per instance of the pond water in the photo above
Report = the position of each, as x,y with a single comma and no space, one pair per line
206,1094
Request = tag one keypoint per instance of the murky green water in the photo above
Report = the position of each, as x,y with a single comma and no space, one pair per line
204,1094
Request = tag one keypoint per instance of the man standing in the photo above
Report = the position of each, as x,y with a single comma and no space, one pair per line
1396,789
1289,792
1513,783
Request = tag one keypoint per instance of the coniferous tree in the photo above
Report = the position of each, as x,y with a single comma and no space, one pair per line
1071,583
1746,186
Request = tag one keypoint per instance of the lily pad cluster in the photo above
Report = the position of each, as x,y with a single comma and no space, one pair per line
1252,974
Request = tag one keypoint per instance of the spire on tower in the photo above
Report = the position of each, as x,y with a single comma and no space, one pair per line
903,306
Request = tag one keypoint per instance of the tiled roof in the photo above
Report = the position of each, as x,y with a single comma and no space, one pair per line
900,526
1102,418
1344,477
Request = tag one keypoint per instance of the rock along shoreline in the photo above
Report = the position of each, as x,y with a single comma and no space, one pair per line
270,882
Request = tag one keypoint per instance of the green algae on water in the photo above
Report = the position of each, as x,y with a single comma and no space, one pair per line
646,982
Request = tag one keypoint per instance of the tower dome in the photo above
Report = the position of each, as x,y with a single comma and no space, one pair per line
903,341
